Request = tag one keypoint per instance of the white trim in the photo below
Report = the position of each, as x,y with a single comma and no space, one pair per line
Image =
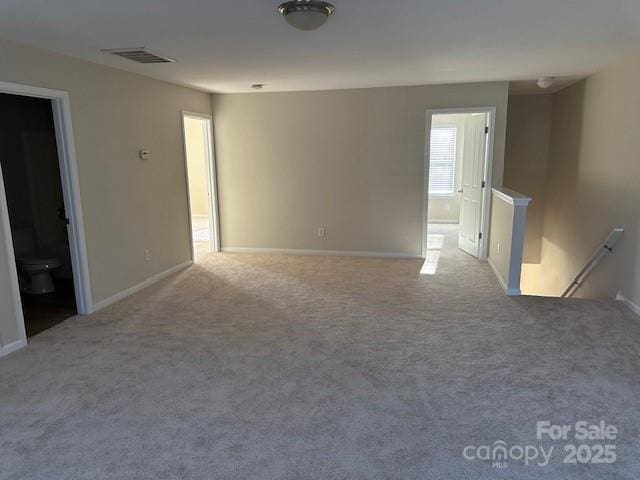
448,222
30,90
518,204
12,347
73,203
512,292
332,253
212,180
488,174
443,196
634,307
140,286
512,197
454,180
61,108
13,268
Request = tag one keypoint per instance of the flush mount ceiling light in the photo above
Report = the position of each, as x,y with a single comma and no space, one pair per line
306,14
545,82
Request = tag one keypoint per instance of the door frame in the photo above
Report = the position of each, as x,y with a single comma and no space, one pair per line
488,173
212,180
67,160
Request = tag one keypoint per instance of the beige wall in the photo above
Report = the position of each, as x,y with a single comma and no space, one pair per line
527,159
447,209
196,166
348,160
594,185
129,205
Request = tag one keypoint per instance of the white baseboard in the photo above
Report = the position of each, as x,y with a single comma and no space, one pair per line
635,308
140,286
12,347
511,292
452,222
332,253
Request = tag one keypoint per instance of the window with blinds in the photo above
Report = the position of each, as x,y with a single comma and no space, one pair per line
442,160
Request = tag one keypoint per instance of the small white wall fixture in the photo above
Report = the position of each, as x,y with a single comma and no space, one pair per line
60,105
514,235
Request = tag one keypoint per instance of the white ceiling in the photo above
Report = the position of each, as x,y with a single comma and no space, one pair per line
226,45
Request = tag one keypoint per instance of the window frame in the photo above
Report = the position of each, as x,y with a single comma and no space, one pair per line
452,193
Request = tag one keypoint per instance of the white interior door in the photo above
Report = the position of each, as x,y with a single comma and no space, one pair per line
201,181
208,146
475,142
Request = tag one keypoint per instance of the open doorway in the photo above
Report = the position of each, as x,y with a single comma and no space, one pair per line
36,212
457,180
201,185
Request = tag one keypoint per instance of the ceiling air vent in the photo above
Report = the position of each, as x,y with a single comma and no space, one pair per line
138,54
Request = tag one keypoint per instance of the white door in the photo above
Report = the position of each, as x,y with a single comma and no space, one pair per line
200,181
475,144
208,146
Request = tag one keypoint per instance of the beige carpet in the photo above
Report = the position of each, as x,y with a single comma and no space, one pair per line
287,367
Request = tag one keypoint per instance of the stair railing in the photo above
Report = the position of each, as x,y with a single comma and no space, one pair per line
605,248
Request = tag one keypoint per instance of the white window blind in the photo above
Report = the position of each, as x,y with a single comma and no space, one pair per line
442,161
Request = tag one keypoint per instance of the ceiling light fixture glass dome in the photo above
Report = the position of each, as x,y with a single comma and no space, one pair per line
306,14
545,82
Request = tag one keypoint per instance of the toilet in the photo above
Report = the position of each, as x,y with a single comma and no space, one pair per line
35,267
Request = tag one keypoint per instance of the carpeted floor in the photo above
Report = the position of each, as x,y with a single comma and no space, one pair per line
201,234
287,367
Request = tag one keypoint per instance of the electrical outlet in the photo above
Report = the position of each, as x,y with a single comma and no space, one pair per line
322,232
147,255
